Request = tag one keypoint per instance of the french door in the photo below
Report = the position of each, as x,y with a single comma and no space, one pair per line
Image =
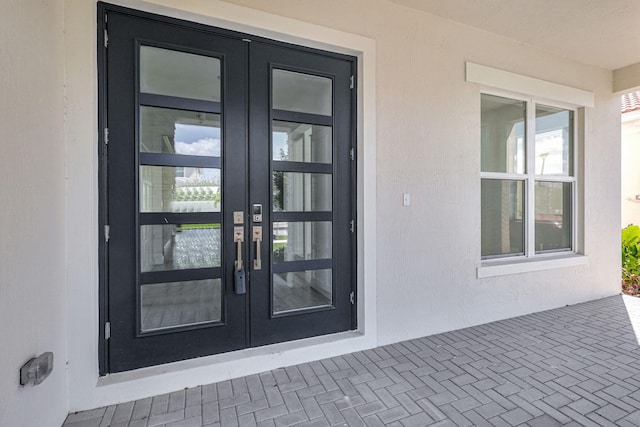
227,199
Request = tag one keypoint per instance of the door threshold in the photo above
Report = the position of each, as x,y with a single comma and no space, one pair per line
224,366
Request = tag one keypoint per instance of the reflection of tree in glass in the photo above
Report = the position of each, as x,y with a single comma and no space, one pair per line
278,185
278,252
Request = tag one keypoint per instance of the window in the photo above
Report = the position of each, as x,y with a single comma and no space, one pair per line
528,179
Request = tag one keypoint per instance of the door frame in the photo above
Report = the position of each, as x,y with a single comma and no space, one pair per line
103,8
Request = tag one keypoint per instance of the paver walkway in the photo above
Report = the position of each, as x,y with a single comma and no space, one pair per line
577,365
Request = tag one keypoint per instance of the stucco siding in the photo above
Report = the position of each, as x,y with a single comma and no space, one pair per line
32,210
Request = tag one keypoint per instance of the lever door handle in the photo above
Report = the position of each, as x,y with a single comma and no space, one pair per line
257,237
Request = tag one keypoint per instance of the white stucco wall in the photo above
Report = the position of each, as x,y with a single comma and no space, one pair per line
32,207
630,146
420,131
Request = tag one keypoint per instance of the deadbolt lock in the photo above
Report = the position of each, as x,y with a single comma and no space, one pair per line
257,212
238,217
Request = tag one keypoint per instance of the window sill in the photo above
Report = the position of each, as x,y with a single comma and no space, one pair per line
503,268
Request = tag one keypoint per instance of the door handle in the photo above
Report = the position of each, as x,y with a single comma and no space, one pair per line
239,281
238,238
257,237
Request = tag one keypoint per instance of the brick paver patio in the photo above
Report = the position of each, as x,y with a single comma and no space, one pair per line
577,365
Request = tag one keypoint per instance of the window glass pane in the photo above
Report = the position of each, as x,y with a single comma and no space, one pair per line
302,93
302,289
299,142
553,216
502,217
298,241
163,130
173,73
502,134
554,141
179,189
167,305
294,191
178,247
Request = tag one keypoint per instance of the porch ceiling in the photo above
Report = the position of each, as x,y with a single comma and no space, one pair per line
601,33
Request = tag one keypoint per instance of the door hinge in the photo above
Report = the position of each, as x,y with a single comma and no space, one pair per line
106,38
351,83
352,153
107,330
352,226
106,233
352,297
106,136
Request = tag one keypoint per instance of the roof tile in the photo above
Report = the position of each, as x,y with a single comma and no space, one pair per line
630,102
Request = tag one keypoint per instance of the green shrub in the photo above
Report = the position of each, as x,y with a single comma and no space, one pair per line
631,254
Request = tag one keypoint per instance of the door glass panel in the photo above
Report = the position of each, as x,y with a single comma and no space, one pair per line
554,141
180,74
167,305
299,241
502,134
301,290
179,189
302,93
553,216
502,214
178,247
299,142
296,191
192,133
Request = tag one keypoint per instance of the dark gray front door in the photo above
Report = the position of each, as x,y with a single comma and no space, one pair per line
227,191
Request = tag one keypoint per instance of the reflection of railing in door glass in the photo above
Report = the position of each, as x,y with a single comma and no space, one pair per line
179,247
179,189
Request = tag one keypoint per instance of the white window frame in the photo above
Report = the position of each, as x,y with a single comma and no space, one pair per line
534,91
530,178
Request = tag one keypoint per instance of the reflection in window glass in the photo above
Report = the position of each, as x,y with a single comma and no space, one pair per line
304,93
167,305
294,191
554,141
502,219
299,142
300,290
502,134
172,73
299,241
178,247
179,189
553,216
192,133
